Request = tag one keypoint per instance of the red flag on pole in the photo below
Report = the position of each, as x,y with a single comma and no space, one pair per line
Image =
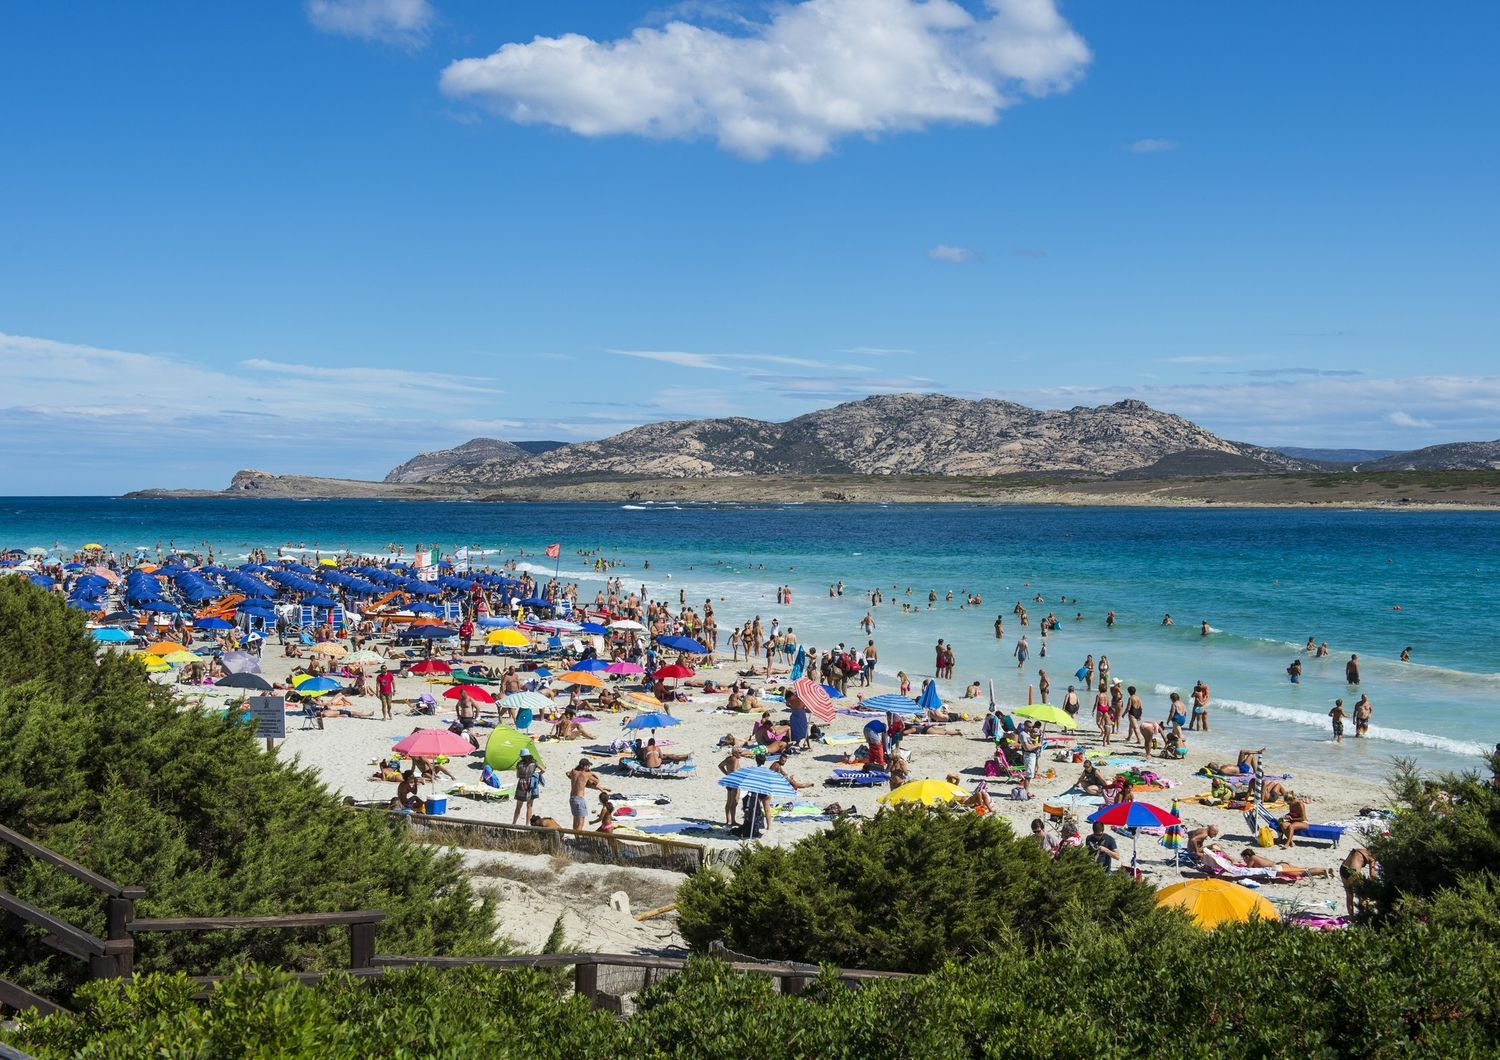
553,551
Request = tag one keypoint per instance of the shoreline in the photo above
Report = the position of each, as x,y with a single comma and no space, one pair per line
1397,491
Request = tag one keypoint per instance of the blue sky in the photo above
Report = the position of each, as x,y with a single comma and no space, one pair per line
319,237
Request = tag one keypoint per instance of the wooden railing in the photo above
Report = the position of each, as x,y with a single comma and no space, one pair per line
114,955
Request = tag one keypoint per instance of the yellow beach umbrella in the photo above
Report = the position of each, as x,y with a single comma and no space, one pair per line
926,792
330,649
152,663
93,547
1214,902
1047,713
507,638
180,658
165,647
581,677
640,701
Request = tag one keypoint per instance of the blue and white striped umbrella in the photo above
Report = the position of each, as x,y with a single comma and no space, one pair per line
758,780
892,704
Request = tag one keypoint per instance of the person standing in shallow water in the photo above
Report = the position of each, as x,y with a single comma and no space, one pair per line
1337,716
1351,670
1362,711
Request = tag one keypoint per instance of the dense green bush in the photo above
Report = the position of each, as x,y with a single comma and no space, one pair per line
1441,854
99,764
909,890
1258,989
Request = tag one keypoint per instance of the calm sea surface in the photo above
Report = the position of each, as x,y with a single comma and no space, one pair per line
1369,582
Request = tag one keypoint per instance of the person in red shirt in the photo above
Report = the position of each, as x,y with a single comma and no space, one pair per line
466,634
385,689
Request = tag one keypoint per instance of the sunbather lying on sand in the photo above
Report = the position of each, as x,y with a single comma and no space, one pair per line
1253,860
652,756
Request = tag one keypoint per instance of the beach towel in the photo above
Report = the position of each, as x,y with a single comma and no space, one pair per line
842,738
856,778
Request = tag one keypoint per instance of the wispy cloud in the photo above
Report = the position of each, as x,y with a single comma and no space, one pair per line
717,361
1152,145
389,379
403,22
954,255
1406,419
878,351
810,74
680,358
1309,373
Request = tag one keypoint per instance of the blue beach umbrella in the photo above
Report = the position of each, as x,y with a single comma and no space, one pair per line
591,665
317,686
110,635
212,622
682,644
592,627
929,700
833,693
760,781
652,719
159,606
892,704
431,632
496,622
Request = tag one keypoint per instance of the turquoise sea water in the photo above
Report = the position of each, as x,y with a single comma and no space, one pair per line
1265,579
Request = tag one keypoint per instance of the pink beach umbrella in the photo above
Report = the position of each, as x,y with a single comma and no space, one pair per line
429,743
624,668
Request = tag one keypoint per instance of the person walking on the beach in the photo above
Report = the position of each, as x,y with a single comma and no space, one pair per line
1362,711
1338,716
385,689
1101,715
1134,709
528,784
1351,670
1023,650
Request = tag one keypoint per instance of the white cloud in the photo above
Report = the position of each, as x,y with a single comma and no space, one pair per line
877,351
680,358
954,255
817,71
715,361
1406,419
391,21
1151,145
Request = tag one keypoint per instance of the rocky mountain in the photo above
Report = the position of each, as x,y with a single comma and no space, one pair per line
539,447
472,454
1454,456
912,434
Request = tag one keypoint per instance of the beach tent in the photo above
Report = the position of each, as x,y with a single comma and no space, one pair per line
503,749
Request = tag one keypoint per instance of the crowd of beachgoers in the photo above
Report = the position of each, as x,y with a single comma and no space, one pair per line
466,684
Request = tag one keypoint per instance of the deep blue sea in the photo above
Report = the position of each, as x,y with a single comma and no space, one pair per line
1368,582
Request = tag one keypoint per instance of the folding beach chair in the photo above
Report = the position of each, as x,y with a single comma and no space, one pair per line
1330,833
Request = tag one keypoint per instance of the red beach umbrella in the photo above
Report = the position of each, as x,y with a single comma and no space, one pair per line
815,698
432,666
476,693
673,670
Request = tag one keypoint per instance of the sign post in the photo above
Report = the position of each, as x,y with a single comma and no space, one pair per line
270,718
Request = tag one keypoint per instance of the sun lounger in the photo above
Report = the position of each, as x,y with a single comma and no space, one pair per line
632,768
1330,833
1221,868
481,791
856,778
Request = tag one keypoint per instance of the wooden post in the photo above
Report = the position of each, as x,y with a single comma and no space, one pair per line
586,980
270,745
361,945
120,912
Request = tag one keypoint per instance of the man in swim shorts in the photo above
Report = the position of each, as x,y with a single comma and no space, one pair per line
580,779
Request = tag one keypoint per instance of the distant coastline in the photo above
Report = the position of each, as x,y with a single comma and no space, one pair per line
1396,491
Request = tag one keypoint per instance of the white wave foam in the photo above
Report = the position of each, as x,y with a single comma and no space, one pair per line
1377,732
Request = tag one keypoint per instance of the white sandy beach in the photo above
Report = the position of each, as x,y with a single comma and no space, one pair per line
344,752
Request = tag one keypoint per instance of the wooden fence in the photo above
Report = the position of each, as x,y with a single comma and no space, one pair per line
604,978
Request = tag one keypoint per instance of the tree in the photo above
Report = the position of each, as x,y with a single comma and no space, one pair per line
907,890
102,765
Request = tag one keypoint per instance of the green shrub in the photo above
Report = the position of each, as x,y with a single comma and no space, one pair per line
98,763
457,1013
907,891
1258,989
1443,847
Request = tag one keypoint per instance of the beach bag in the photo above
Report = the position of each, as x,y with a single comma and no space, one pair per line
991,769
1265,837
1019,794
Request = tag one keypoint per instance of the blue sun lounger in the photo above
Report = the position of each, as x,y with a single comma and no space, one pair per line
856,778
1330,833
632,768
